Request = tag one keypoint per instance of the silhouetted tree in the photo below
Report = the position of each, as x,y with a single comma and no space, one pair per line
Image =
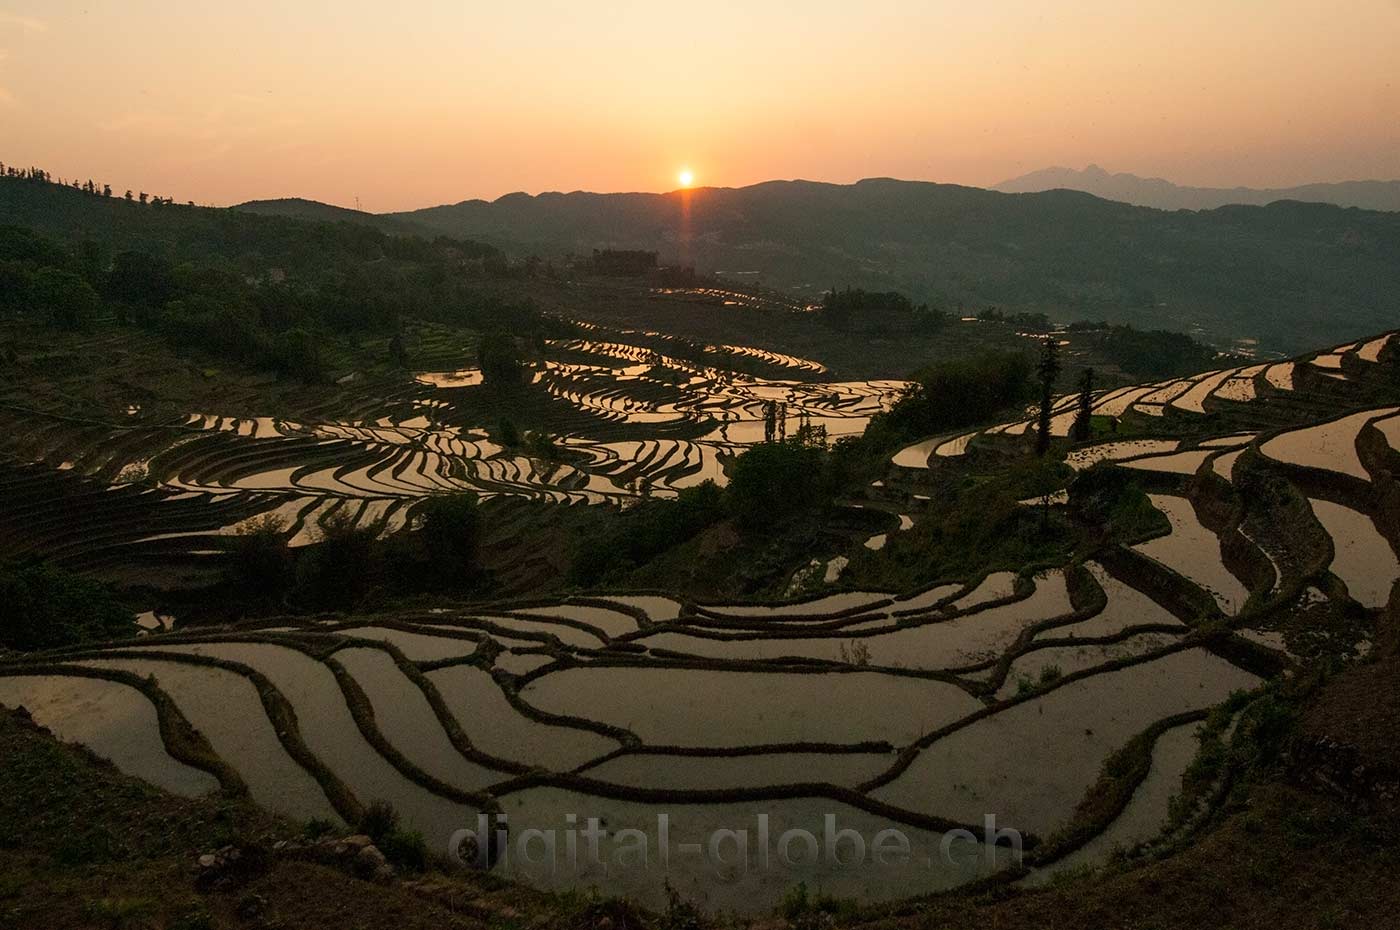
450,533
499,360
775,481
260,563
67,299
42,607
341,569
140,279
1046,370
1084,419
507,433
397,353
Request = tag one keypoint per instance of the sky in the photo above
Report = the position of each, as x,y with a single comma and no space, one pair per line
402,105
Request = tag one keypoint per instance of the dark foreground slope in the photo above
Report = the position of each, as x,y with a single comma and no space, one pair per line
1290,274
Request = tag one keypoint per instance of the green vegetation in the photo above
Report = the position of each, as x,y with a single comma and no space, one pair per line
260,566
1111,500
43,607
854,310
499,360
264,290
1147,353
1030,322
350,566
1047,370
449,537
643,532
773,482
403,848
954,394
1083,428
976,524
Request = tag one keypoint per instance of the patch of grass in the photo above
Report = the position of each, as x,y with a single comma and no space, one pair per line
680,914
405,849
316,827
799,904
120,912
88,847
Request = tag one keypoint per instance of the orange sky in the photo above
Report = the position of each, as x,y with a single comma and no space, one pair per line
422,102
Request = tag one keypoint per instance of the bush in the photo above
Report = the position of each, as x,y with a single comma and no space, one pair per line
540,445
451,533
65,298
378,821
44,608
499,360
853,309
1111,498
507,433
775,481
338,572
317,827
642,533
405,849
955,394
260,564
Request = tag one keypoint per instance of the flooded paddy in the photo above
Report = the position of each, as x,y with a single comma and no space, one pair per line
760,770
1363,558
1179,463
705,686
330,732
1081,459
114,720
1031,763
417,646
1146,814
407,719
1330,446
1193,552
225,707
1054,661
744,885
1126,607
700,707
495,727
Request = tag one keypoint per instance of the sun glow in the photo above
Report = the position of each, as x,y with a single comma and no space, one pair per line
686,177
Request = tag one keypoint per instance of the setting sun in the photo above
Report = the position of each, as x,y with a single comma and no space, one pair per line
686,177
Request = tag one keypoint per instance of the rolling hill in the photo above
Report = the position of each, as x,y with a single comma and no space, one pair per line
1164,195
1288,274
315,211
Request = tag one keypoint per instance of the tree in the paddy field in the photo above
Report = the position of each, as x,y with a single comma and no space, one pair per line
1047,371
1084,419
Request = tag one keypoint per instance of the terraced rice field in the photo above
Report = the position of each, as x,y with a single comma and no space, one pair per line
1255,392
627,417
923,710
886,711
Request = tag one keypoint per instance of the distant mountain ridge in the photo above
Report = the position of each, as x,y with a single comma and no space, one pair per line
1290,275
1164,195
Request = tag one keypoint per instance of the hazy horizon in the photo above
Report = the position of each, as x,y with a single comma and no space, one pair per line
339,102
